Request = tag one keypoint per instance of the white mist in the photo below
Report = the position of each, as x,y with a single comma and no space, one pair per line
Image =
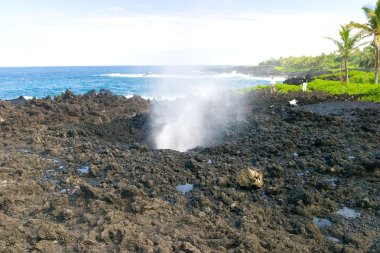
199,117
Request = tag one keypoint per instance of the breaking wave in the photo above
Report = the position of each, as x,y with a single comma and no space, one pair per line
200,75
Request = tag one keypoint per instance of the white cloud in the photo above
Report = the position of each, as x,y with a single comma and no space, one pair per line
244,38
116,9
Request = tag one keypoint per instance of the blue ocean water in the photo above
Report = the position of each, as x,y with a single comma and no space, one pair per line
146,81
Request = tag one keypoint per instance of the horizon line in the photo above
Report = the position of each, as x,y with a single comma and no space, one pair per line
134,65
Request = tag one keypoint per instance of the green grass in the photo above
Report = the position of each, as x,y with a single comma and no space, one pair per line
355,76
365,91
252,88
285,88
362,87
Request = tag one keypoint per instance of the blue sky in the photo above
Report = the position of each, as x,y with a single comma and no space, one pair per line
147,32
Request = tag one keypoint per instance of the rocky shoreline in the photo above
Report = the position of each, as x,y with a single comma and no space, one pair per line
79,174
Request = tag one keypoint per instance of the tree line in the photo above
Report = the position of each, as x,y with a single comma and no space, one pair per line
349,53
325,63
349,41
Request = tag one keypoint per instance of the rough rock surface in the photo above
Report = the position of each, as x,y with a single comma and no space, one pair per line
296,80
250,177
78,174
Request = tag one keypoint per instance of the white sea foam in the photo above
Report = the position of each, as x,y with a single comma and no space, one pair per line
199,75
155,98
235,74
145,75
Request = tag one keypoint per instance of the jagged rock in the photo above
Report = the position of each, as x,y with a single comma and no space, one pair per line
67,214
46,246
127,202
106,92
296,80
20,101
91,93
88,191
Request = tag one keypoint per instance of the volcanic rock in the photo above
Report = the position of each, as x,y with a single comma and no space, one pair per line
250,177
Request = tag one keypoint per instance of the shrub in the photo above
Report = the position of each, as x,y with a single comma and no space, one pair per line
365,91
355,76
253,88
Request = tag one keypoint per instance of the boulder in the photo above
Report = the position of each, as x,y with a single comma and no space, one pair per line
297,80
106,92
250,177
91,93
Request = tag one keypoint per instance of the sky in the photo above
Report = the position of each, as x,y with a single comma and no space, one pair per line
168,32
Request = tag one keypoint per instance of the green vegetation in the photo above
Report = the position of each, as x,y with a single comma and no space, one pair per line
372,28
361,86
364,84
346,44
304,63
331,63
252,88
365,91
367,58
355,76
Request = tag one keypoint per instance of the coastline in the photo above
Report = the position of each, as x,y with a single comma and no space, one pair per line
79,174
122,80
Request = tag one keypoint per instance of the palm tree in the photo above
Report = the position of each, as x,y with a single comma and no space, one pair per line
346,44
372,28
364,58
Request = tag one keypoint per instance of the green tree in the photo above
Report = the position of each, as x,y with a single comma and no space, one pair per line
372,28
365,58
346,44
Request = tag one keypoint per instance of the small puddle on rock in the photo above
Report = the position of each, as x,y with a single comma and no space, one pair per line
25,151
69,190
332,181
348,213
321,223
49,173
93,181
306,173
329,183
84,169
333,239
63,191
184,188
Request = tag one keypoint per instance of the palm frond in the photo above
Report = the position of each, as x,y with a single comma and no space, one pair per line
373,16
348,41
368,12
363,27
377,10
339,44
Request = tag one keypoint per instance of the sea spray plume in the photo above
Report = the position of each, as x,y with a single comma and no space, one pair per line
179,124
200,118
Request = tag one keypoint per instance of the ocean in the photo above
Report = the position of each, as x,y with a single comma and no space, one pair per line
146,81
